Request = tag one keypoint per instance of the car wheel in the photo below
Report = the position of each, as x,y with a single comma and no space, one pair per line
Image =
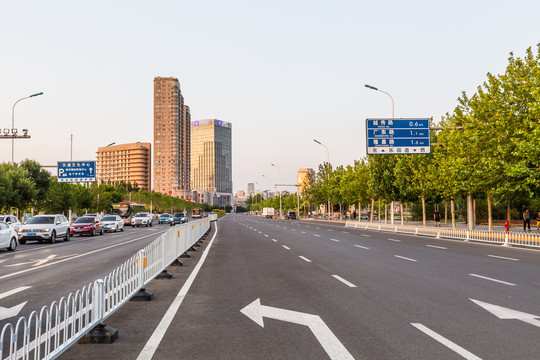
122,229
93,232
22,242
53,237
150,223
12,244
68,234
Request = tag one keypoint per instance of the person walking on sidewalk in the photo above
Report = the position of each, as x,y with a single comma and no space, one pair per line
437,217
526,220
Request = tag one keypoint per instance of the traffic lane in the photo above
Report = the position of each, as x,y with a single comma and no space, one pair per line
51,281
435,275
245,266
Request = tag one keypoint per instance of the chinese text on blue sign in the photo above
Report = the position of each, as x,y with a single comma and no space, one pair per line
76,171
398,136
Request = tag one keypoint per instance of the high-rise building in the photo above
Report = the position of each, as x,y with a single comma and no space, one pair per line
211,161
171,139
251,189
302,178
129,163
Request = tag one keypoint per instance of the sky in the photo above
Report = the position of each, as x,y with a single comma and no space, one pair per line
283,72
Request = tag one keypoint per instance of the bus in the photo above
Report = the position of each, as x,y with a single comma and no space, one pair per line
126,210
196,213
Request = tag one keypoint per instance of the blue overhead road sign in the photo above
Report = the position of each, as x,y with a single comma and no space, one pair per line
76,171
398,136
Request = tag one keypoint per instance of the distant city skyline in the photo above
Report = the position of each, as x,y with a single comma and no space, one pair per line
284,72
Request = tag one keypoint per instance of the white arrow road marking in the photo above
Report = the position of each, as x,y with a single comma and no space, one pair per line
14,291
330,343
505,313
42,261
6,313
449,344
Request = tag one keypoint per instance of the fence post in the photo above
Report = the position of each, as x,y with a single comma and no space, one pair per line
416,230
379,227
142,294
506,243
99,291
101,333
467,238
438,234
395,229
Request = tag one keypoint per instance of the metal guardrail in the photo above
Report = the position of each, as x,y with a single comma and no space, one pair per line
496,237
51,331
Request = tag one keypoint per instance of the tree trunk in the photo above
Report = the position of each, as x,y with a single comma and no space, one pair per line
474,210
490,221
372,208
392,212
470,216
379,213
508,215
424,210
385,213
445,212
406,213
401,212
340,212
453,212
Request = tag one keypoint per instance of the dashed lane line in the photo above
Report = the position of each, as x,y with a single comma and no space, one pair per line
502,257
362,247
405,258
348,283
365,235
336,240
286,247
437,247
449,344
304,258
317,235
491,279
394,240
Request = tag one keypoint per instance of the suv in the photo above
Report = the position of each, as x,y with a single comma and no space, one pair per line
12,221
45,227
178,218
142,218
291,215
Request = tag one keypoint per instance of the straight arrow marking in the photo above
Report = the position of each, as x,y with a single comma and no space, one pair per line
6,313
506,314
330,343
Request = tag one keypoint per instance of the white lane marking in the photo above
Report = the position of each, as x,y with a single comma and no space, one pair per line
286,248
437,247
259,232
348,283
14,291
405,258
317,235
336,240
365,235
293,230
394,240
491,279
303,232
449,344
329,229
265,235
304,258
362,247
345,232
316,227
502,257
151,346
274,240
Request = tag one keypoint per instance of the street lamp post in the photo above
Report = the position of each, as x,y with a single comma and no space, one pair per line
328,160
13,123
279,170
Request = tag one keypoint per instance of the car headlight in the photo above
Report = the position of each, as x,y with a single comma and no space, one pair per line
46,230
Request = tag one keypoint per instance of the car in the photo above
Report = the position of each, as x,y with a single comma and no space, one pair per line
94,215
87,225
142,218
45,227
291,215
8,236
178,218
12,221
112,223
165,219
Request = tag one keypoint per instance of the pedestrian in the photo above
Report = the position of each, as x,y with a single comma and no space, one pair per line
437,217
537,221
354,215
526,220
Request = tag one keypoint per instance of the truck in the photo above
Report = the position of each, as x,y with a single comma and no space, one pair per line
268,213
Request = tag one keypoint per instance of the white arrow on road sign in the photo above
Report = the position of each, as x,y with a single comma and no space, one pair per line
505,313
6,313
331,344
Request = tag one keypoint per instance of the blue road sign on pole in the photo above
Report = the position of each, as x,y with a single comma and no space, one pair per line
76,171
398,136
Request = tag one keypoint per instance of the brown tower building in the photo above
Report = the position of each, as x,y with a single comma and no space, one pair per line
129,163
172,139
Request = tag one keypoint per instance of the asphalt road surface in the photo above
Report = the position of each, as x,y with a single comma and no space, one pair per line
325,292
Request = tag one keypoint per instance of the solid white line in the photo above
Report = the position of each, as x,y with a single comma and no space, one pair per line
404,258
502,257
317,235
437,247
449,344
336,240
394,240
349,284
285,247
14,291
151,346
304,258
362,247
491,279
365,235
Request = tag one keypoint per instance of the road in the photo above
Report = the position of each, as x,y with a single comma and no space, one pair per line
322,291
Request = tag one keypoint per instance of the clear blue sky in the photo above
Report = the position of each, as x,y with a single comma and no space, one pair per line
282,72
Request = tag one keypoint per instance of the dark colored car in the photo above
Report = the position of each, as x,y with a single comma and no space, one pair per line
178,218
291,215
87,225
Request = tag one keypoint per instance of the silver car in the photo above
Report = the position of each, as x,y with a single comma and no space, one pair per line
45,227
112,223
8,237
142,218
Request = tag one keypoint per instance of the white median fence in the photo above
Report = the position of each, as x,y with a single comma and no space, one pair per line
496,237
48,333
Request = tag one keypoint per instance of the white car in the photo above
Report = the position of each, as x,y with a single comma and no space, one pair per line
112,223
12,221
45,227
8,237
142,218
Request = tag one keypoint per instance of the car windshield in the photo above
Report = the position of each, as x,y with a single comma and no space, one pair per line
141,215
165,215
42,220
84,220
109,218
2,218
178,215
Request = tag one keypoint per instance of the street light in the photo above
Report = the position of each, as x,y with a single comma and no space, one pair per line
328,160
280,213
391,98
111,144
13,123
